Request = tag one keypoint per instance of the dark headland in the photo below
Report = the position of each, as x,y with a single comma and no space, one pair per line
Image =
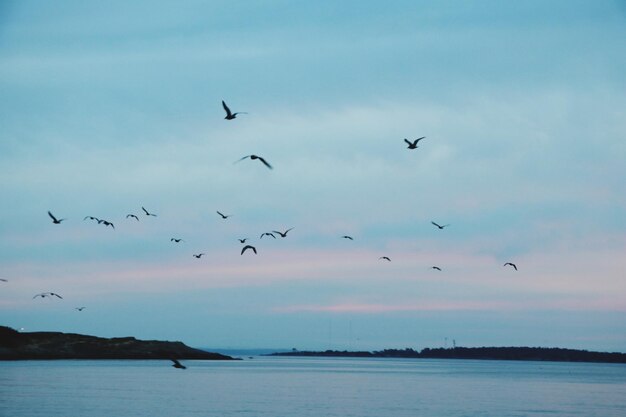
55,345
485,353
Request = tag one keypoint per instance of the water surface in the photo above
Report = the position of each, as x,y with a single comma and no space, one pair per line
315,387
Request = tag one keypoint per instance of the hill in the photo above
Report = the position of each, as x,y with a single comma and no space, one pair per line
55,345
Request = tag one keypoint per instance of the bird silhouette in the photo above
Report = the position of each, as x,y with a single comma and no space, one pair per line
282,234
224,216
147,212
54,219
413,145
440,226
91,218
511,264
47,294
230,115
267,234
106,223
176,240
133,216
79,308
386,258
435,267
347,237
4,280
248,247
178,365
199,255
242,240
253,157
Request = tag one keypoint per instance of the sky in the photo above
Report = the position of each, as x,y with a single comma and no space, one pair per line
108,107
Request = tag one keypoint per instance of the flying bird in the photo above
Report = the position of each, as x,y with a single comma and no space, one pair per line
176,240
4,280
147,212
248,247
282,234
79,308
230,115
178,365
47,294
386,258
267,234
91,218
413,145
106,223
198,256
440,226
435,267
242,240
511,264
253,157
133,216
54,219
224,216
347,237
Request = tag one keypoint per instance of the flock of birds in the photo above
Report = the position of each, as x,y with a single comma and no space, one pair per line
247,247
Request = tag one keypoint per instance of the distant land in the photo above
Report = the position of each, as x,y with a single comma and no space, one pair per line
55,345
485,353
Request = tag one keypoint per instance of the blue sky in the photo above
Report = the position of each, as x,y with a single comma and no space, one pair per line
110,107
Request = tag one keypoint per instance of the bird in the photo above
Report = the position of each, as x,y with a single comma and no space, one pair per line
91,218
440,226
133,216
386,258
54,219
230,115
242,240
106,223
248,247
511,264
267,234
176,240
435,267
147,212
47,294
224,216
253,157
199,255
413,145
79,308
4,280
347,237
282,234
178,365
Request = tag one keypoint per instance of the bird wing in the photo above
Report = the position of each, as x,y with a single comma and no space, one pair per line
435,224
56,295
241,159
228,112
265,162
418,139
52,216
408,142
145,211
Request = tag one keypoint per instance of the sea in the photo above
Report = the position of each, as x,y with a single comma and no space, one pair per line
261,386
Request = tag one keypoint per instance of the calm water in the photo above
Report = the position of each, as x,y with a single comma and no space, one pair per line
316,387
